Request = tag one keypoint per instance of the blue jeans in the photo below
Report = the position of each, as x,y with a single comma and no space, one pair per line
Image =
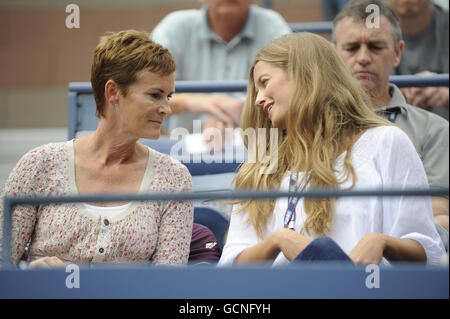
323,249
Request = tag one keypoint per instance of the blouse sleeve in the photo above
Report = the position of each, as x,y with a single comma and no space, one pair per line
22,181
407,217
175,226
241,235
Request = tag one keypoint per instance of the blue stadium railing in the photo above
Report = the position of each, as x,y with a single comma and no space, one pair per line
241,283
314,27
81,115
260,281
80,88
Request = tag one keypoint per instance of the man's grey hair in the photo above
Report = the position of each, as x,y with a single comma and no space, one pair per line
356,9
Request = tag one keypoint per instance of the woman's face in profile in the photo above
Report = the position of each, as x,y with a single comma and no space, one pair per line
273,88
146,104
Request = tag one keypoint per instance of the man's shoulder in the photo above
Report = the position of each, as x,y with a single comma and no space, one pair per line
270,15
441,18
176,27
183,14
181,17
440,12
269,24
424,117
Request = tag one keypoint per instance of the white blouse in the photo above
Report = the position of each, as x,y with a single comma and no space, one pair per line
383,158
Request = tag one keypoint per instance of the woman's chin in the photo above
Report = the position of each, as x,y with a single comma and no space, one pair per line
152,135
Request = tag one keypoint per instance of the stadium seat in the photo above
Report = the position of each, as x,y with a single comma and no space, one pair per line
214,220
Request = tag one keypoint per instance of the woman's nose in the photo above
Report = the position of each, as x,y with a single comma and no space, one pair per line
260,100
165,109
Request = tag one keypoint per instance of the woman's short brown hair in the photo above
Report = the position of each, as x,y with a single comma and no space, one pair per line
119,56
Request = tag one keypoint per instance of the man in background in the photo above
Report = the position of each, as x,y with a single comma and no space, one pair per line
371,54
425,29
216,42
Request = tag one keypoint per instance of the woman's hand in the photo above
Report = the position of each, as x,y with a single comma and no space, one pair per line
369,249
290,242
47,262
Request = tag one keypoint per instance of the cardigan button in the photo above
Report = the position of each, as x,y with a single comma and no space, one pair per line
101,250
106,222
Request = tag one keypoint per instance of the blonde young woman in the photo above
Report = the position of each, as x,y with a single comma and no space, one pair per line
327,137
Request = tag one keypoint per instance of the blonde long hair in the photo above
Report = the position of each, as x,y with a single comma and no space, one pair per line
328,110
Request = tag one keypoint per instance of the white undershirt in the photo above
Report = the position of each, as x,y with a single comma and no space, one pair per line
106,211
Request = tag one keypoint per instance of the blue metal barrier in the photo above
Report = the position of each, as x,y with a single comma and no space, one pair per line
246,282
10,202
257,281
419,80
143,281
80,88
241,86
314,27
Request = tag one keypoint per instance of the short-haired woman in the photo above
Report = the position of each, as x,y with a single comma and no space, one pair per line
132,79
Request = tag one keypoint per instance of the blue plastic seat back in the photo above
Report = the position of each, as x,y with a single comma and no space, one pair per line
214,220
